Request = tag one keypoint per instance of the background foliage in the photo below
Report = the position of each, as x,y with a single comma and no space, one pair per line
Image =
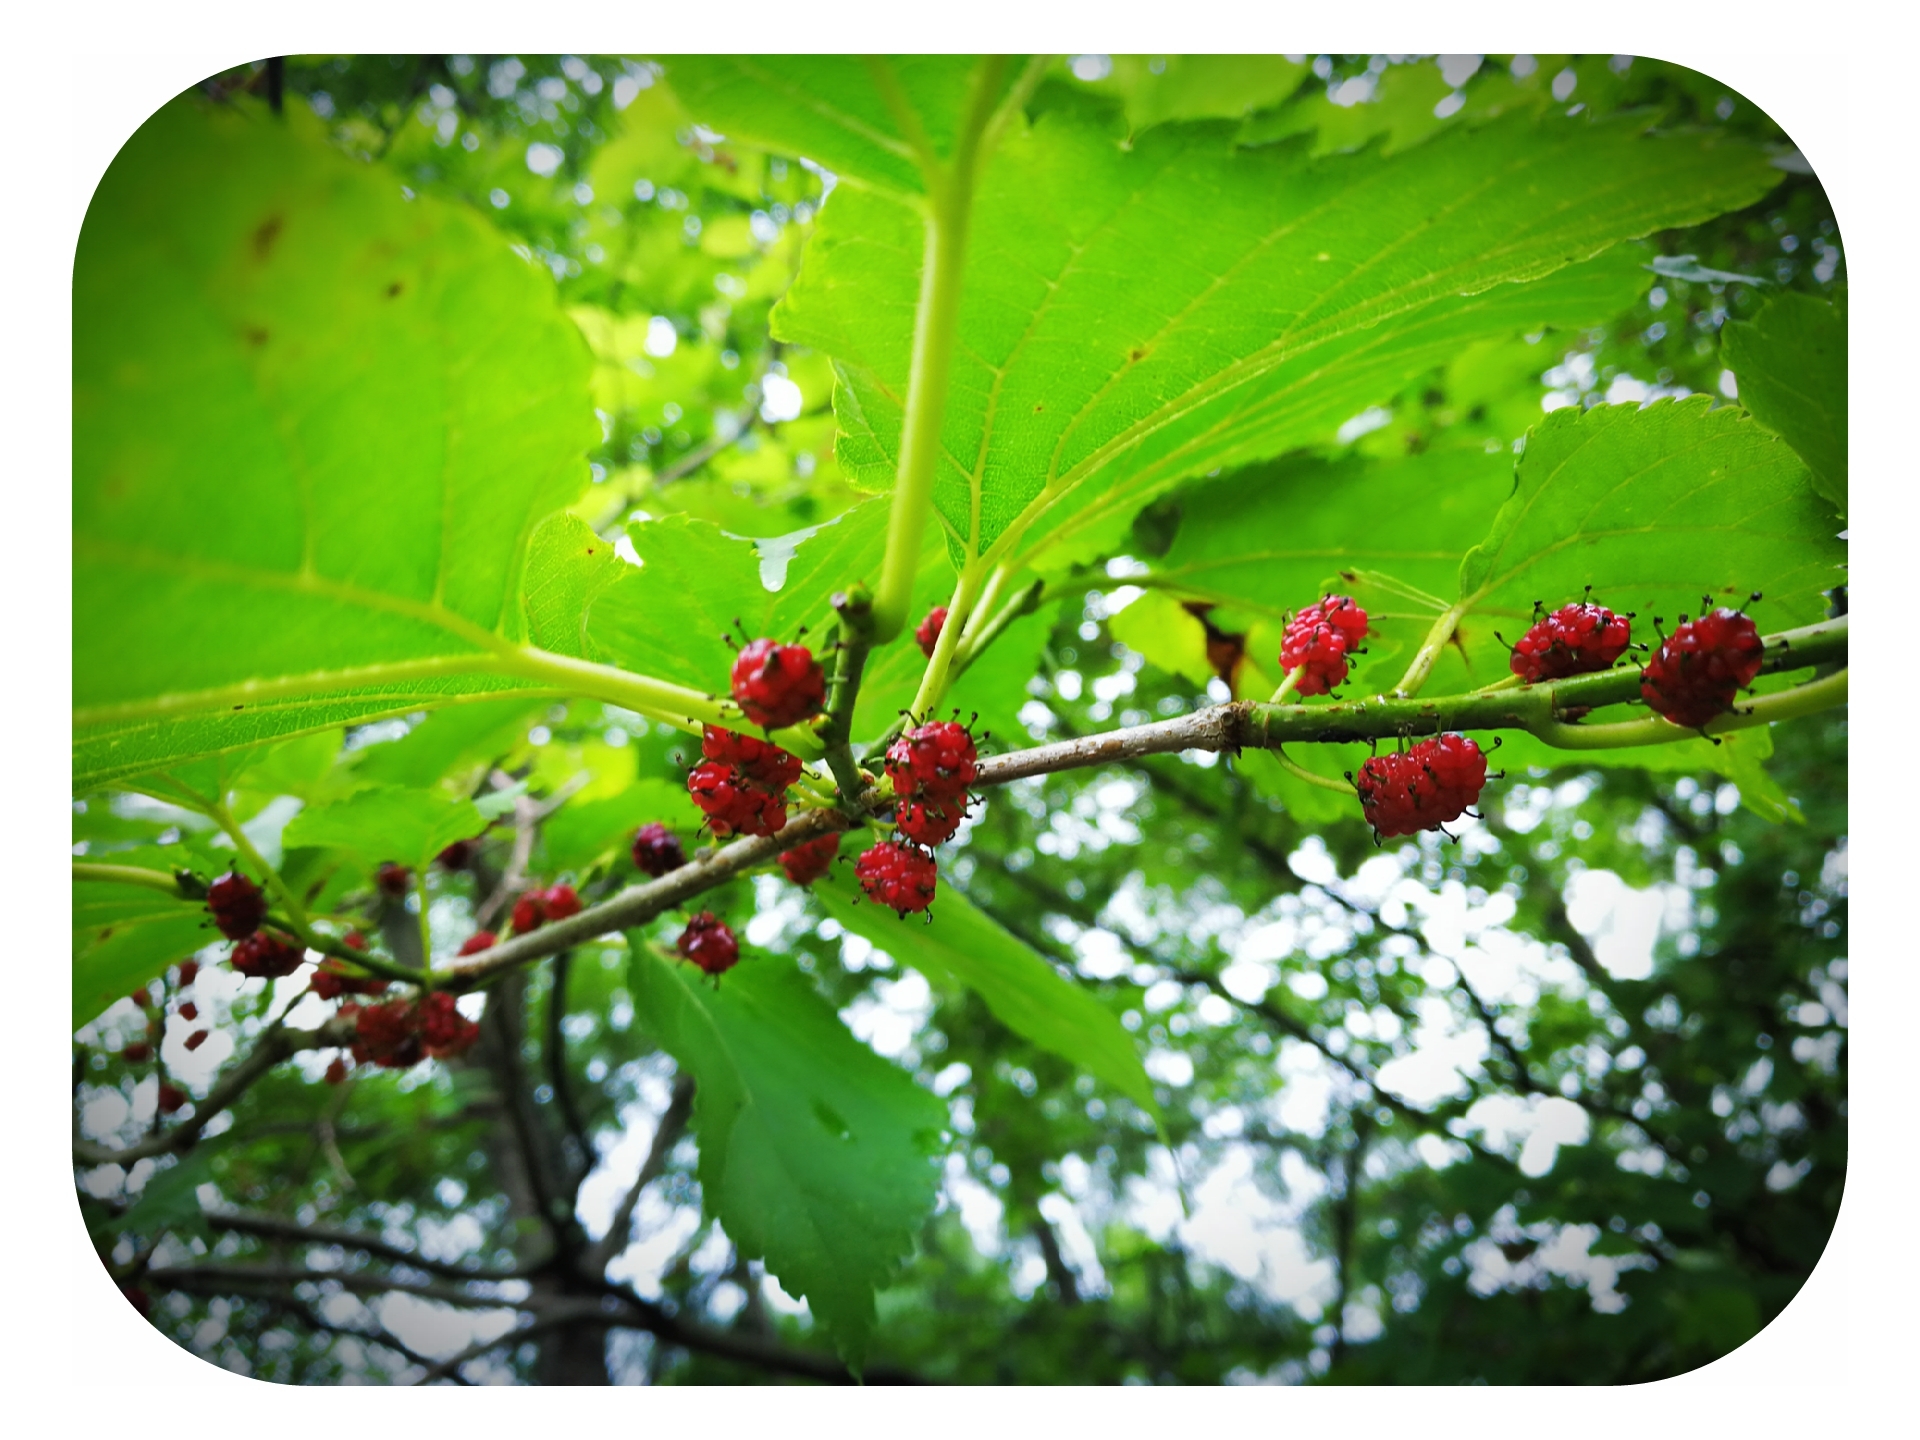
1187,1082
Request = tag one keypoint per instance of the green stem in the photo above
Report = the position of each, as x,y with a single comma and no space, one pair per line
1429,651
855,609
1824,694
936,328
84,870
973,644
933,684
1288,685
1300,772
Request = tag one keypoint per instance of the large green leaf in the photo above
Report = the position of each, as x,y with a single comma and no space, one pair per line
963,947
387,823
315,424
697,583
1131,308
1791,364
815,1153
126,935
1654,508
833,109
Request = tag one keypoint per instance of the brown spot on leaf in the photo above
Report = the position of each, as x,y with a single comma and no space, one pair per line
395,288
1138,353
255,335
268,232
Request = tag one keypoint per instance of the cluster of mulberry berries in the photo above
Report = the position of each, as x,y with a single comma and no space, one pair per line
1421,788
1580,639
1701,666
537,907
740,784
1320,638
399,1034
931,767
778,685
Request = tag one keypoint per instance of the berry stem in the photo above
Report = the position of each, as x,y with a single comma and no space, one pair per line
1288,685
933,683
129,875
936,326
975,641
1429,651
855,611
1826,693
1300,772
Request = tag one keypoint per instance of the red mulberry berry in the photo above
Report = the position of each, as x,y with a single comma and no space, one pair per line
189,1011
478,941
764,764
393,880
934,762
1574,640
562,901
732,803
172,1097
930,822
337,1071
142,997
709,943
1321,637
806,863
1424,788
197,1039
332,979
237,904
459,855
898,876
388,1035
443,1028
929,632
776,685
137,1053
188,969
264,955
1698,669
656,850
529,912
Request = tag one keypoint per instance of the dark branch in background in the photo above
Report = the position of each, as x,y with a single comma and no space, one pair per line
449,1368
577,1140
274,1227
1346,1220
306,1316
272,1047
277,83
673,1124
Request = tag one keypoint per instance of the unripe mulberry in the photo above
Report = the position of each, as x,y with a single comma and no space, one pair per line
935,762
459,855
897,875
393,880
1574,640
478,941
657,850
1698,669
172,1097
137,1053
1423,788
265,955
197,1039
1320,638
188,970
928,633
709,943
237,905
529,912
732,803
930,822
189,1011
776,685
337,1071
763,763
807,862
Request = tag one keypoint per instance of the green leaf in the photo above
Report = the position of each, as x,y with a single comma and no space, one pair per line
1654,508
387,823
450,742
1265,541
315,424
696,581
569,567
1080,365
832,108
1791,364
963,947
815,1154
583,832
127,935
